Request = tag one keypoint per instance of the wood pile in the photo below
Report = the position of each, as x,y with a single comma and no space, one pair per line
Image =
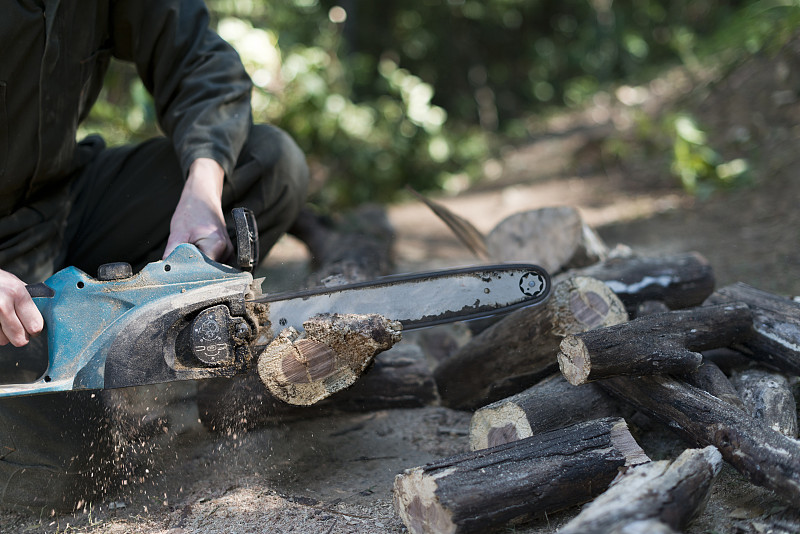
557,389
554,388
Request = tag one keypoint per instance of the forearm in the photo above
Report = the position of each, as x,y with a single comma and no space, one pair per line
206,178
198,217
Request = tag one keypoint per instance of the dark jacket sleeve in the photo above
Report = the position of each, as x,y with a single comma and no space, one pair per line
199,85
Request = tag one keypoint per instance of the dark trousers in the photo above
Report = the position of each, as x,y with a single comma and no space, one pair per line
55,448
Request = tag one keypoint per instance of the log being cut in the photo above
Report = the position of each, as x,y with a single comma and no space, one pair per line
399,378
521,349
654,344
484,490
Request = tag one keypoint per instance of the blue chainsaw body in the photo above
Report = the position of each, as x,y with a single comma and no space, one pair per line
114,333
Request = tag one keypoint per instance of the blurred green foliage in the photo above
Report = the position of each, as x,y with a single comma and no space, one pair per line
384,94
700,168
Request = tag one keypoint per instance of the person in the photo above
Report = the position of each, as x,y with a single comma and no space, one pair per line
64,202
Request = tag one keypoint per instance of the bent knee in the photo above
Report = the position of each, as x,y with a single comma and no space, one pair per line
272,173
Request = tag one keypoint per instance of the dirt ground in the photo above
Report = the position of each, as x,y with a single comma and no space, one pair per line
334,475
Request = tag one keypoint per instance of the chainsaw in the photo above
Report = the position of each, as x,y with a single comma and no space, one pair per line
187,317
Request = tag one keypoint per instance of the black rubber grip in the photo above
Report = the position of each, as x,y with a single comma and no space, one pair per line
40,290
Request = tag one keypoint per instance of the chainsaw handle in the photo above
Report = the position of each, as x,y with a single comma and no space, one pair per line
246,229
44,297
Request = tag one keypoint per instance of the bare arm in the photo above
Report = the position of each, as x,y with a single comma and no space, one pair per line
19,317
198,217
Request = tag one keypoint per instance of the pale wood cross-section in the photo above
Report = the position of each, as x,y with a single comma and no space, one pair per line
328,357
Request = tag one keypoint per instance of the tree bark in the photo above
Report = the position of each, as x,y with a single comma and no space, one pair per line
484,490
654,344
671,492
555,238
521,349
710,378
679,280
551,404
776,324
767,397
765,457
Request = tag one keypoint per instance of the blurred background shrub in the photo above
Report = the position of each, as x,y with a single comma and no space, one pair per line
384,94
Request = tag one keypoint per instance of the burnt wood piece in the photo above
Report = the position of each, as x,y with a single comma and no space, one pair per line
654,344
679,280
767,458
709,377
768,397
484,490
399,378
329,356
519,350
556,238
671,492
776,325
552,403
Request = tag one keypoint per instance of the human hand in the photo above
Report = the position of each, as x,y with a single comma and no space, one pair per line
198,217
19,317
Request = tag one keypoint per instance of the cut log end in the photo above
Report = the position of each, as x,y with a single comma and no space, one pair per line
583,303
624,441
496,426
418,506
574,361
665,343
333,352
